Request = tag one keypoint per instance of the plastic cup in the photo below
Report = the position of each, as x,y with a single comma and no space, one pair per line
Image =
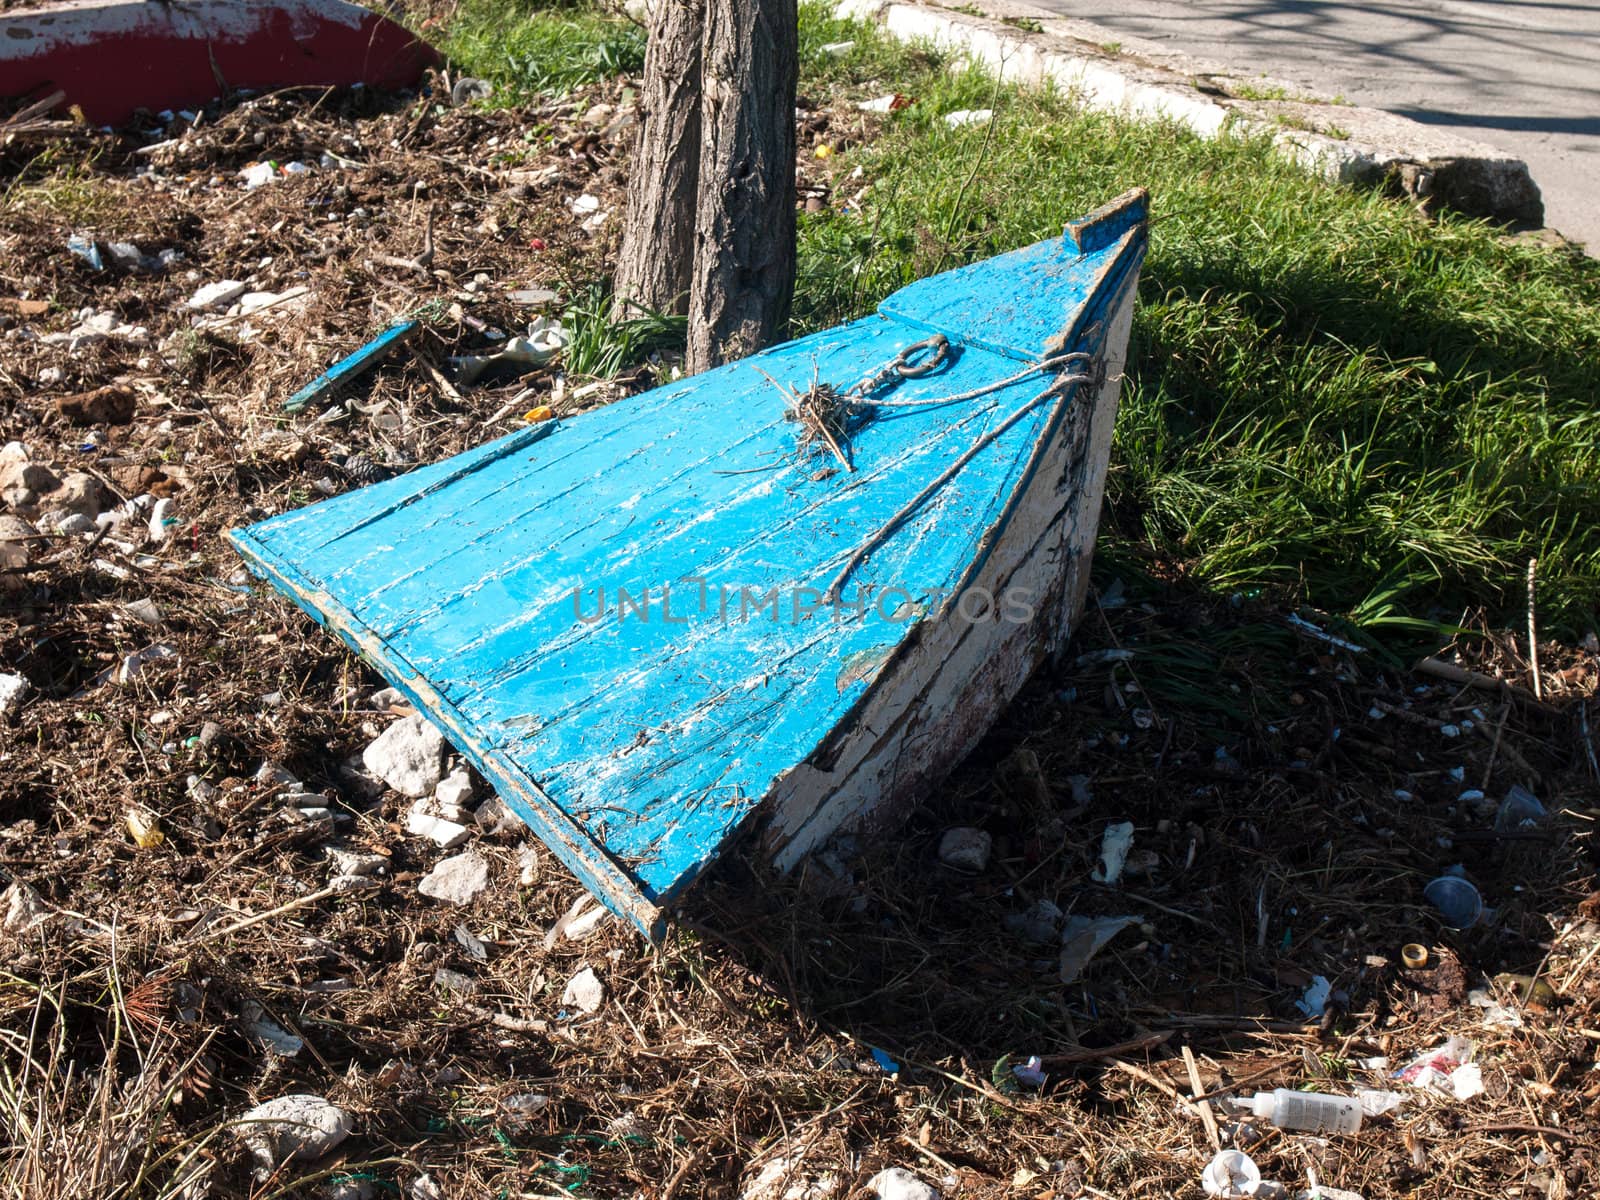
1231,1173
1456,900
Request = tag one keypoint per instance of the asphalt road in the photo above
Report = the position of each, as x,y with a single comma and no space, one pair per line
1520,75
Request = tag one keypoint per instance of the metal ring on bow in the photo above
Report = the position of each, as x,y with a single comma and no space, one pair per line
938,344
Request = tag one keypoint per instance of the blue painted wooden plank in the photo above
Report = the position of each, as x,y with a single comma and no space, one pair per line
587,607
347,368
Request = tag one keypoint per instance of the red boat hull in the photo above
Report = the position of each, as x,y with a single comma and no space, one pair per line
111,57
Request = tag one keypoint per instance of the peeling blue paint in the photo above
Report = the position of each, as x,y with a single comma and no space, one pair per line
617,617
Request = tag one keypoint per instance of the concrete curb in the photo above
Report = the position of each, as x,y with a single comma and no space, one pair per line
1109,71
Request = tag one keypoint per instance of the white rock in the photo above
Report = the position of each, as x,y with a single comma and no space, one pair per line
786,1178
74,523
299,1126
897,1183
408,756
585,990
965,848
13,690
388,698
585,923
422,822
455,788
218,295
457,880
350,862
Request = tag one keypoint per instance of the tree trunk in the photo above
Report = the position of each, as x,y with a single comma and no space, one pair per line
654,267
744,228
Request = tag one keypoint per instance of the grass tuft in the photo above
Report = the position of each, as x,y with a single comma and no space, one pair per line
527,50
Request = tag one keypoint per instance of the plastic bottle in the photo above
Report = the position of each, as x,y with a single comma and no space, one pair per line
1308,1111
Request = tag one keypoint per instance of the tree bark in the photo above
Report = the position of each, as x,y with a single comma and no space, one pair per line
744,232
654,267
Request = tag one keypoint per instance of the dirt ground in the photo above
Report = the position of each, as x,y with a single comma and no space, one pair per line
160,783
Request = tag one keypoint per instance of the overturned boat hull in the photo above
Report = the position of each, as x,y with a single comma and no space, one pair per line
112,57
706,609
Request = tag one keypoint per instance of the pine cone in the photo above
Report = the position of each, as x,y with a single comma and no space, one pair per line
363,470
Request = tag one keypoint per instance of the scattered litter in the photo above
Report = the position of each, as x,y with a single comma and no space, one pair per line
457,880
302,1126
88,250
545,339
585,990
1495,1014
161,520
1323,1192
968,116
1114,846
1520,810
586,923
532,297
965,848
1097,658
1311,1112
467,89
1083,938
408,756
347,368
1316,997
269,1033
1030,1073
897,1183
1306,627
145,828
1414,955
1375,1102
1456,900
884,1062
132,664
521,1107
883,104
1437,1070
1528,989
1231,1173
838,47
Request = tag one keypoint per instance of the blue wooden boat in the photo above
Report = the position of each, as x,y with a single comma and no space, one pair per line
790,593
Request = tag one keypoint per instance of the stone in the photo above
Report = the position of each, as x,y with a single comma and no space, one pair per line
408,756
1040,922
585,991
27,476
78,493
110,405
71,524
13,690
217,295
422,821
457,880
299,1126
352,862
19,541
965,848
897,1183
455,788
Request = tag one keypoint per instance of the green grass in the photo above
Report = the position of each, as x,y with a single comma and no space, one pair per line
528,49
1327,396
